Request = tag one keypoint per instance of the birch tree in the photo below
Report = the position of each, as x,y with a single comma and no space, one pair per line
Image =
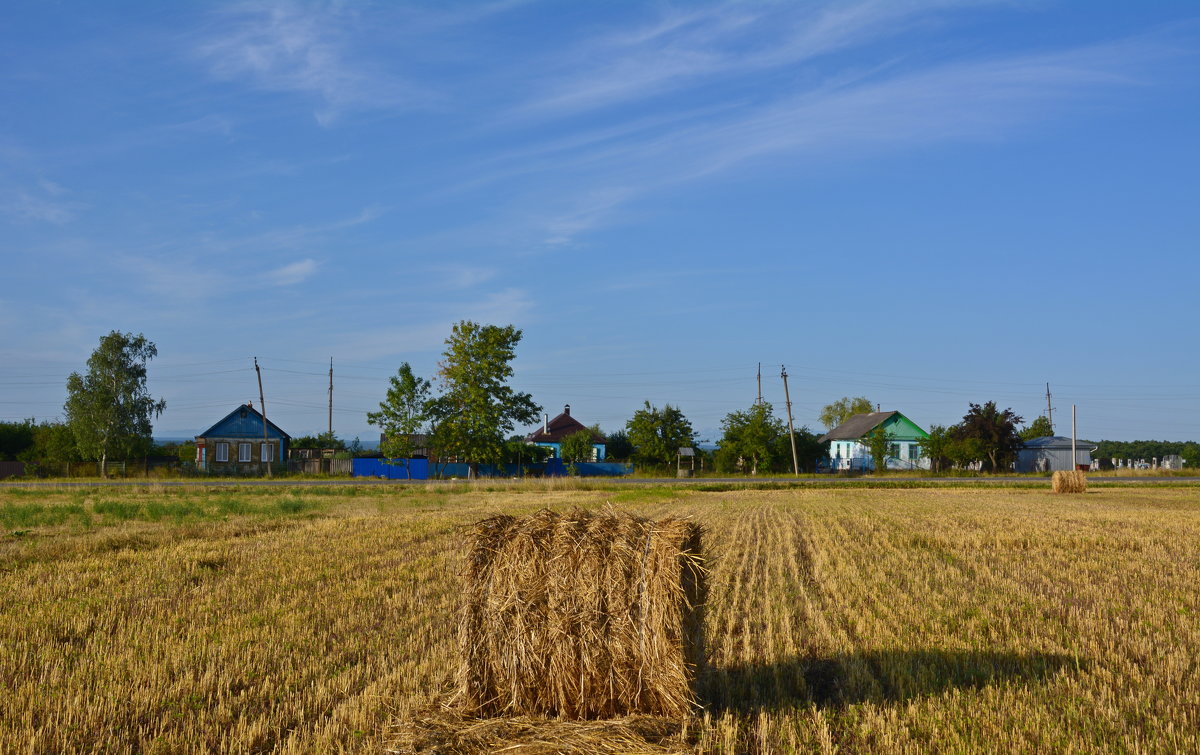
109,408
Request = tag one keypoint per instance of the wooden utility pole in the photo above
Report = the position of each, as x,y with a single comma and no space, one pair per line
263,405
791,431
759,384
331,398
1049,409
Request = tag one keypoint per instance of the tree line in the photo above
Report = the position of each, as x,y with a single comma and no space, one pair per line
109,411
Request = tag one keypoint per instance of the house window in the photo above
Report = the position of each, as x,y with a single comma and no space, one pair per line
243,452
222,452
893,450
264,453
914,451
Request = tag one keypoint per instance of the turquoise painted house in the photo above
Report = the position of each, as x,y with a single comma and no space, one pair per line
235,445
553,431
848,449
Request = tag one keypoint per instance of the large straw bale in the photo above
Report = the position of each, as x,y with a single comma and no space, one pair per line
582,615
1071,481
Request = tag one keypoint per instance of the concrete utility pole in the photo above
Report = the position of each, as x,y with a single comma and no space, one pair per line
263,405
1049,409
791,432
331,397
759,384
1074,458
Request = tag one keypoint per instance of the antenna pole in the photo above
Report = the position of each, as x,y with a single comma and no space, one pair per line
331,398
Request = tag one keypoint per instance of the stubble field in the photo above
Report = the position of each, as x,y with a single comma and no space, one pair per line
839,620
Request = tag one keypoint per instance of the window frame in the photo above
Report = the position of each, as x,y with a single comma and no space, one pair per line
264,452
222,455
245,454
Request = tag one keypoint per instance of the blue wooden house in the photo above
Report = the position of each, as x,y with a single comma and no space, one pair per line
553,431
236,446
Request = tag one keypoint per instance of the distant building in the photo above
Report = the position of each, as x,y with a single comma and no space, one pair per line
236,446
1052,453
848,448
553,431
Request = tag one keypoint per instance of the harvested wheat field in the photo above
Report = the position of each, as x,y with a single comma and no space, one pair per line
838,620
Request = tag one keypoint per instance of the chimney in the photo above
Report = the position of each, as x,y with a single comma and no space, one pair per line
567,410
546,424
877,409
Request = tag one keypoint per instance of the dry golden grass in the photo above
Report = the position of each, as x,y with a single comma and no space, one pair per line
1069,481
855,620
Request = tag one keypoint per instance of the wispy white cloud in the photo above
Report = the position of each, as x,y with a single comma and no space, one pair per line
41,205
304,49
844,116
704,45
290,275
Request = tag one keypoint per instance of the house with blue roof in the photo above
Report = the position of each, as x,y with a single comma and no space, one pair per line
236,445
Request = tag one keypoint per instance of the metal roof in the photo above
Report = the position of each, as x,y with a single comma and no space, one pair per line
857,426
1057,441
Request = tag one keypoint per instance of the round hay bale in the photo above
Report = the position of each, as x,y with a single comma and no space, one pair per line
1071,481
582,615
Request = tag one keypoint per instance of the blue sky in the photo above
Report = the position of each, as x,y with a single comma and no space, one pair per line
926,203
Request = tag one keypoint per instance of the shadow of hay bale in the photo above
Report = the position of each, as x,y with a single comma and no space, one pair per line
883,676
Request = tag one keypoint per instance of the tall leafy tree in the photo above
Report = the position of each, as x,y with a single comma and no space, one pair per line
576,448
109,408
1039,428
843,409
878,442
657,435
938,447
15,438
406,410
751,439
478,407
617,445
996,431
810,450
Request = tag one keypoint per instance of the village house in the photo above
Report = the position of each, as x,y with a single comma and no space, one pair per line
553,431
848,442
236,446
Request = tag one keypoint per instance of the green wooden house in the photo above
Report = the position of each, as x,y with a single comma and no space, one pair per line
848,447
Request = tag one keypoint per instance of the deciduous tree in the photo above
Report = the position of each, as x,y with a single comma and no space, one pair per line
938,447
843,409
576,448
751,438
996,432
405,411
1039,428
617,445
657,435
877,442
109,408
479,407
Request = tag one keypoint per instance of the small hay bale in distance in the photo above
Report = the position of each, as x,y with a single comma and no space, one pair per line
582,615
1070,481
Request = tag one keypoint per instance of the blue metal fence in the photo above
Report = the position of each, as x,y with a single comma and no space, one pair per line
394,469
421,469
